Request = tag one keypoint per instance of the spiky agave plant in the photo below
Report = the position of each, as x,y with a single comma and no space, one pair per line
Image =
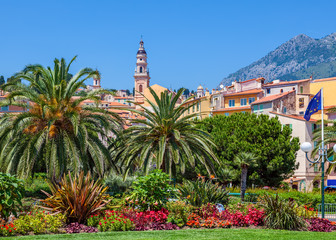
281,213
76,196
57,131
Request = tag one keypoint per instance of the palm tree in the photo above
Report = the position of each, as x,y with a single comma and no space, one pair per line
244,160
57,130
164,138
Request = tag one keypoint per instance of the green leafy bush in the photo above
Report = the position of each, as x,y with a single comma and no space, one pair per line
11,194
178,212
151,191
282,214
34,185
202,192
117,185
77,197
39,222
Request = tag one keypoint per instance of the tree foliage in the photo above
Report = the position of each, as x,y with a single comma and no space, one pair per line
2,80
164,137
58,129
262,136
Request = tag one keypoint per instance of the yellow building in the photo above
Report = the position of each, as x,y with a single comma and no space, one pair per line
226,103
199,106
329,95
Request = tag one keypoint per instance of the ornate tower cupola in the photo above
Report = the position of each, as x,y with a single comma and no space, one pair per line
141,74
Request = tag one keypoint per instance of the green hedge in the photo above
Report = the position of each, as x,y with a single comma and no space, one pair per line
312,199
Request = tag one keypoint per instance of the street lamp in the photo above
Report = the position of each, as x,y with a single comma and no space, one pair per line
322,153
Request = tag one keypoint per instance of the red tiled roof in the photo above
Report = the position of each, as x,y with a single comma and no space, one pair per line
325,79
285,82
294,116
253,79
232,109
272,97
329,107
116,104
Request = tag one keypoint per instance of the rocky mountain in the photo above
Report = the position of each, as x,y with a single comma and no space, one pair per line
298,58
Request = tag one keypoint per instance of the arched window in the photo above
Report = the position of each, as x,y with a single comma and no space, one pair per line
140,88
281,90
96,82
141,69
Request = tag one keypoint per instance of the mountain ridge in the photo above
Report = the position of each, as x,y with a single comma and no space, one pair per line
299,57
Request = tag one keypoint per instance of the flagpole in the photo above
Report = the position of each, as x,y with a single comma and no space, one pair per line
323,153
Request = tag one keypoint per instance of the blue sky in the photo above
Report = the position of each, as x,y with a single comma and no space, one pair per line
188,42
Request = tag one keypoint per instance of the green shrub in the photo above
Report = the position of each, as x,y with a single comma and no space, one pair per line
34,185
77,197
281,214
39,222
178,212
202,192
11,194
151,191
117,185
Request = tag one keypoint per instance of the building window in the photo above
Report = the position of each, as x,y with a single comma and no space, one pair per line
268,90
140,69
227,114
198,106
140,88
261,107
281,90
243,102
290,126
301,89
188,109
301,102
140,59
284,110
242,111
293,88
215,101
231,103
316,167
255,108
301,113
251,100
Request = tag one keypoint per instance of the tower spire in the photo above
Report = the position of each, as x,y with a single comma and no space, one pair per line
141,74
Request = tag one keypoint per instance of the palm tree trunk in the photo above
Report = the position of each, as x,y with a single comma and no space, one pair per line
243,183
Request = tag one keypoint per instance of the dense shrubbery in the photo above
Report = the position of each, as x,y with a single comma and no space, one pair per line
320,225
282,214
117,185
203,191
39,222
34,185
11,194
178,212
151,191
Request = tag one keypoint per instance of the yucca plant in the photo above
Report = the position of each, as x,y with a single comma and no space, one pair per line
281,214
201,192
76,196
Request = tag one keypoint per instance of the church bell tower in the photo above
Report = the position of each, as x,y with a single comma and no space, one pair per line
141,74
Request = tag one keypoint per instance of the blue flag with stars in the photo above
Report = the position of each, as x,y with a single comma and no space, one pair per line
313,106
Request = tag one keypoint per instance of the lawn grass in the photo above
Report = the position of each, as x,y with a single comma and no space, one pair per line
194,234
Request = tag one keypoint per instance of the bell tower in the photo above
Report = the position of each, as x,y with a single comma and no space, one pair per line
141,74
